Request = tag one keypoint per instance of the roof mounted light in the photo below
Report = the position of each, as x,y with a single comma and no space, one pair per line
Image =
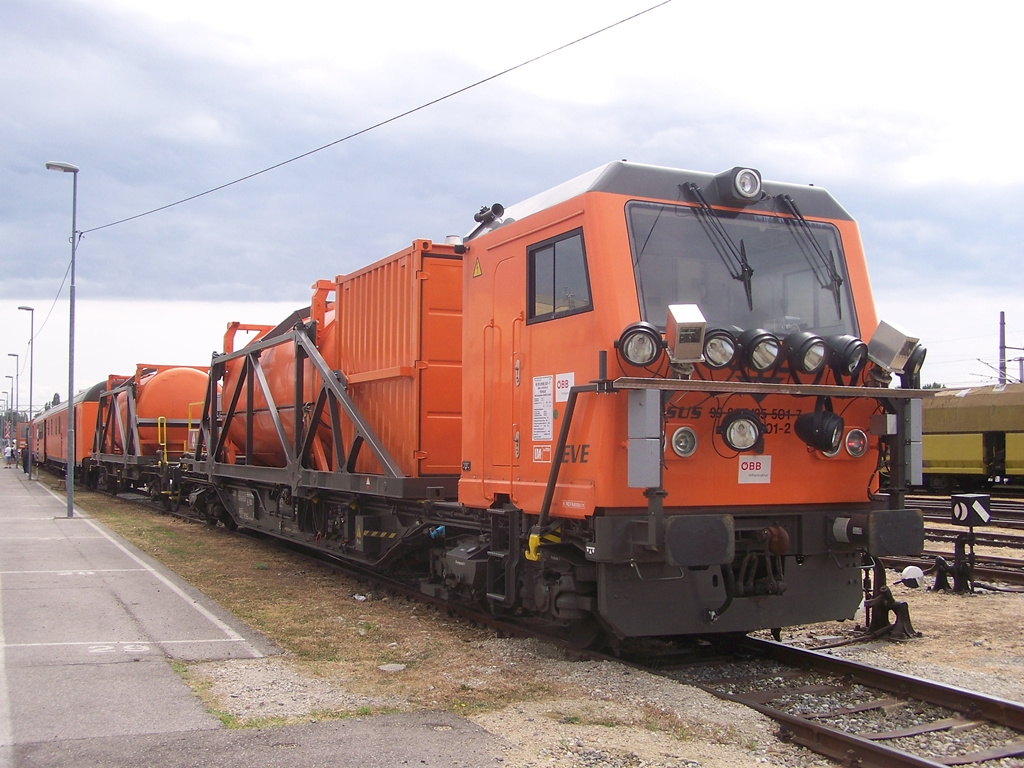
738,186
806,351
640,344
719,348
761,349
742,430
847,355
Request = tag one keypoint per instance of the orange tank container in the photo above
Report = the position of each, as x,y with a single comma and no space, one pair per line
173,394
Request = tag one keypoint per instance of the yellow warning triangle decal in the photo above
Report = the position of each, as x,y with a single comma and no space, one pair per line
476,269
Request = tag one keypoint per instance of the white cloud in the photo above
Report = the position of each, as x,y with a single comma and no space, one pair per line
910,123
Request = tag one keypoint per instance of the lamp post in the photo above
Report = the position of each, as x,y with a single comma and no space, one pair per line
31,364
73,170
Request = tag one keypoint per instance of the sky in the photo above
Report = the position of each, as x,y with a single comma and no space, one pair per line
905,112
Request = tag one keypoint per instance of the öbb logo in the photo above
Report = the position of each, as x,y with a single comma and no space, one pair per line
750,466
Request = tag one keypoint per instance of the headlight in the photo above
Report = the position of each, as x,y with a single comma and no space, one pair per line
821,429
738,186
761,349
741,430
684,442
719,348
807,352
847,355
641,344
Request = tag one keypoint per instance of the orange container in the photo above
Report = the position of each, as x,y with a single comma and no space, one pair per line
398,339
393,330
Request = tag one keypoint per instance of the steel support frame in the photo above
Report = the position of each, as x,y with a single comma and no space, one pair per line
332,399
905,403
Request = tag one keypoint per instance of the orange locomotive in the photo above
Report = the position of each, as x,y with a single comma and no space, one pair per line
639,403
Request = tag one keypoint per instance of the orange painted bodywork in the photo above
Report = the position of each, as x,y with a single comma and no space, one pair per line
507,362
50,432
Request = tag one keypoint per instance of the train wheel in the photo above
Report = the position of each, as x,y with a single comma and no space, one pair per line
228,520
583,635
211,513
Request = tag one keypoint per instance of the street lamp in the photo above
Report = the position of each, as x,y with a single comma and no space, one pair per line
31,364
73,170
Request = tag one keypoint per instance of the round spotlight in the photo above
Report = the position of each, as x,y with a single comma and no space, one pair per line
719,348
822,430
807,352
641,344
746,183
856,443
761,349
738,186
847,355
684,442
741,430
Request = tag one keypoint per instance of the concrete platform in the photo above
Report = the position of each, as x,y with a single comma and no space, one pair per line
89,626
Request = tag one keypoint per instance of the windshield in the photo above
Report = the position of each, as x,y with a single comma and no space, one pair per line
678,259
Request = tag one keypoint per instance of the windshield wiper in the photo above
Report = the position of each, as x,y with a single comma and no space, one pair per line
735,259
834,280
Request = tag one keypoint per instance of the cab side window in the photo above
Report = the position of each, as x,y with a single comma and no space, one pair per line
559,284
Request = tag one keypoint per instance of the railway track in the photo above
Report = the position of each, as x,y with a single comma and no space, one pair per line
1006,513
860,715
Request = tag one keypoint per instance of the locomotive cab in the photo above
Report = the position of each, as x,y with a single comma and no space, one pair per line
704,478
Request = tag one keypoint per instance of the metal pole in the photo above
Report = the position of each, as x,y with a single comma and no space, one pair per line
31,365
1002,347
70,482
71,355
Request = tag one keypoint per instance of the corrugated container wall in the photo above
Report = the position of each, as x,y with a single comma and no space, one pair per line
398,340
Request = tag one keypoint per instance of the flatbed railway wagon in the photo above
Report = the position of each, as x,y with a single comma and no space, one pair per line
638,404
141,429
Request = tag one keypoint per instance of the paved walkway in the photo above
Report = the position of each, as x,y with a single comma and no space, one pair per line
89,626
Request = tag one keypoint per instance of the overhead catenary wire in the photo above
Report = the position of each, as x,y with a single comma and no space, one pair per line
384,122
350,136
